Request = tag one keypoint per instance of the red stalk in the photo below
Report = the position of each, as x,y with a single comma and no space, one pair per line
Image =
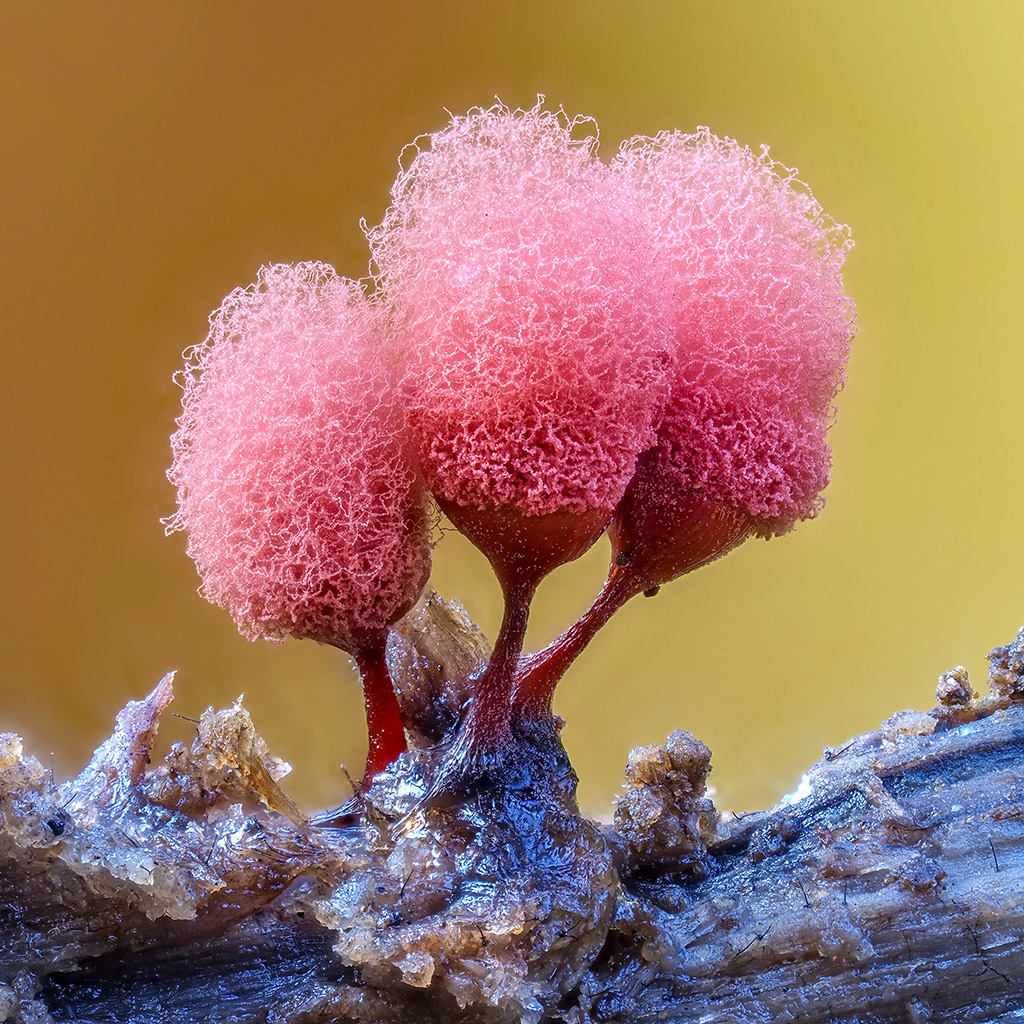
658,533
383,716
539,673
522,550
488,721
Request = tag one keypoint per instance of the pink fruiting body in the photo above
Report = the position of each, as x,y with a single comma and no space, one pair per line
559,347
531,311
762,332
762,326
533,316
305,514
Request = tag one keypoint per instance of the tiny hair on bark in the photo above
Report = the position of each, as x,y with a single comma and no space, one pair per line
889,886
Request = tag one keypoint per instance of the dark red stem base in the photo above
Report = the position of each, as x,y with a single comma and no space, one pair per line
522,550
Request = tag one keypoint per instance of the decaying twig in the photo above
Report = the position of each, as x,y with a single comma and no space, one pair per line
888,887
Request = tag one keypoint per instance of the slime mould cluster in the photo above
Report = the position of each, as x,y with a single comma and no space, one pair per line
552,347
195,890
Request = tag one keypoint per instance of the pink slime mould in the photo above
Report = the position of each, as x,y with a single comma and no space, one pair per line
304,512
652,347
535,323
762,332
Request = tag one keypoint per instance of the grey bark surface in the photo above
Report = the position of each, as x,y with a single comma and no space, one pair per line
888,888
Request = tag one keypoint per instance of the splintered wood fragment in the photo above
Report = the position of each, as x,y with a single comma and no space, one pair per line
888,887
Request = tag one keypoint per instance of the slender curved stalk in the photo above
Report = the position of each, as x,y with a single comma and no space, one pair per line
539,673
488,722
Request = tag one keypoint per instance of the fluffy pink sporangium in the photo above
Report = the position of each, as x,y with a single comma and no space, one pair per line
761,334
304,511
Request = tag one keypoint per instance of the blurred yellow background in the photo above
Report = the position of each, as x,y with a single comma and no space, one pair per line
155,155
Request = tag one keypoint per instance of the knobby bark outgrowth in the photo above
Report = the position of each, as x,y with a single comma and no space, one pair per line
887,887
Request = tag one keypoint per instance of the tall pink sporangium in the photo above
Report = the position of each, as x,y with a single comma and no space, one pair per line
305,514
533,313
761,335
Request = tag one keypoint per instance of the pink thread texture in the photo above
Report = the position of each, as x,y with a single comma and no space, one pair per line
531,311
304,513
762,327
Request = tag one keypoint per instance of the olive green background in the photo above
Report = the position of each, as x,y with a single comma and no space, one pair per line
154,155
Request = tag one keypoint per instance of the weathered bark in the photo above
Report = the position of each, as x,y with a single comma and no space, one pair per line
887,888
